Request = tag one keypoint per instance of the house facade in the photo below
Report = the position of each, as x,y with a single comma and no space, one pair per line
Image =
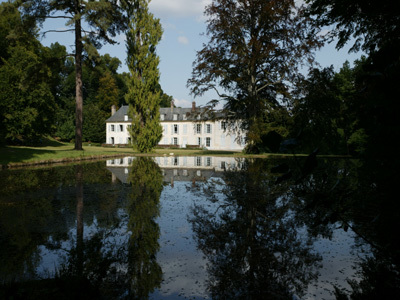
182,127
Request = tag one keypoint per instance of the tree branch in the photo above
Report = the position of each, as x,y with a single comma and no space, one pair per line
221,95
67,30
55,17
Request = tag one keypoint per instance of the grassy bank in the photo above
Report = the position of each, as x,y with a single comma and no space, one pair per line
12,155
56,152
53,152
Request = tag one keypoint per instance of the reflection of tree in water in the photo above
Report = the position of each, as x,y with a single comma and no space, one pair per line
127,270
252,241
143,208
59,199
357,195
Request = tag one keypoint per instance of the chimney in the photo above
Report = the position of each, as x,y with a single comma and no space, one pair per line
193,106
172,105
113,110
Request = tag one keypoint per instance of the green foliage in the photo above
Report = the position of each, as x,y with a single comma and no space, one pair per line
325,112
104,19
143,208
94,129
371,24
143,96
27,105
107,94
254,50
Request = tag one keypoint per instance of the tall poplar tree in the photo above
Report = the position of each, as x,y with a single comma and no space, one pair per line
92,22
143,95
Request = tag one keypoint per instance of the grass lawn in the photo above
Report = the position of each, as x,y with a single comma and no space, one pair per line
53,151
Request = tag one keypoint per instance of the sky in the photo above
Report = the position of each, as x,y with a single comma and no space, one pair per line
183,23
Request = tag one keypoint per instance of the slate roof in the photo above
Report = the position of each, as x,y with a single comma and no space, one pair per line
119,115
168,113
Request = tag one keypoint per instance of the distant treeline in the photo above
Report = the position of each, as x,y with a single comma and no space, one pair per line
37,86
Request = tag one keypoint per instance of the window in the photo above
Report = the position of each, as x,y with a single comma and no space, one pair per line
198,161
208,128
184,117
175,117
208,161
125,117
176,128
128,140
129,127
176,161
198,128
175,141
112,127
112,141
223,165
208,142
199,141
121,128
224,125
162,116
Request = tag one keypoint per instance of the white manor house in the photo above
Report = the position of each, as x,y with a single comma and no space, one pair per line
182,127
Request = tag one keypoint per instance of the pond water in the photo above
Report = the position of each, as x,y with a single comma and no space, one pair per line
196,228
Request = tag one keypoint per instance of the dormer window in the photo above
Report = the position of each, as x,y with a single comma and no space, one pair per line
162,117
125,117
184,117
175,117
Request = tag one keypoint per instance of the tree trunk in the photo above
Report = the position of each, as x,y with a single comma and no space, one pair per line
79,220
78,79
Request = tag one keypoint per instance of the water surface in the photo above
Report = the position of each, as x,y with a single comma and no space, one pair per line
195,228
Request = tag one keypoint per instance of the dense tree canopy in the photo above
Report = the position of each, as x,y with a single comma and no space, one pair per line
372,23
27,104
253,54
104,20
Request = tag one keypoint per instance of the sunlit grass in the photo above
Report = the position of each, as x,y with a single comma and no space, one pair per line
53,151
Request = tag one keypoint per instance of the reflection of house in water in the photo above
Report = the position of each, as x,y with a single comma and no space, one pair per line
178,168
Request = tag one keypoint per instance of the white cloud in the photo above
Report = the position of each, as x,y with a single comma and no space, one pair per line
178,8
182,103
183,40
